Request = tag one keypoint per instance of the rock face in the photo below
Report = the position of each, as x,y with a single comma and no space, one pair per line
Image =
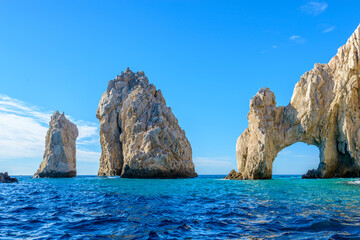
5,178
60,149
140,137
324,111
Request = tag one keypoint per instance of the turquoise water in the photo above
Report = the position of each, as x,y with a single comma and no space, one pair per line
89,207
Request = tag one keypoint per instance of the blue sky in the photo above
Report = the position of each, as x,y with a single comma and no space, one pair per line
208,58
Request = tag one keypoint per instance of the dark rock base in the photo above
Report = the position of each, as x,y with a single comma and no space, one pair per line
311,174
153,174
54,174
5,178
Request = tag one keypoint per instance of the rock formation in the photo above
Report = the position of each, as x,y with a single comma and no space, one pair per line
324,111
5,178
60,149
140,137
233,175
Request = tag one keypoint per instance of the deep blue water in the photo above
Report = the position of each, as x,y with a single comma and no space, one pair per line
89,207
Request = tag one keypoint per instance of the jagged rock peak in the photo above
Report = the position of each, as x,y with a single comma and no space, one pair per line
59,158
347,57
324,111
139,135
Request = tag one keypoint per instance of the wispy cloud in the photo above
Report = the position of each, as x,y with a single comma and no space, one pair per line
21,136
10,105
84,155
24,126
214,165
88,132
314,7
325,28
294,37
329,29
297,39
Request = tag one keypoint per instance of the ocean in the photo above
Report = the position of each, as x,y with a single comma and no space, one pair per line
207,207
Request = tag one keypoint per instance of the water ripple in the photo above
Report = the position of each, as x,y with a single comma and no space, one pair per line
201,208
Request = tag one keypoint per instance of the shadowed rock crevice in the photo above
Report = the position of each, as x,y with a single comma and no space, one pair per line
139,135
324,111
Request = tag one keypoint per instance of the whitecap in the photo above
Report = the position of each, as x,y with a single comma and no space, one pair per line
354,182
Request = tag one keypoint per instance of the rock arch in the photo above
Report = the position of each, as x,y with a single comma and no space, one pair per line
324,111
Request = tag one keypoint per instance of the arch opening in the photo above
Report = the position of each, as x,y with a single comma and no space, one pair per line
296,159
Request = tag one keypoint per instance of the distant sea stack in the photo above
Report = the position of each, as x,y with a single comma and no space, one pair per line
324,111
5,178
139,135
59,159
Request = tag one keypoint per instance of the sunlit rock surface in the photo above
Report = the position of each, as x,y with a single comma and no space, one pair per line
60,149
324,111
139,135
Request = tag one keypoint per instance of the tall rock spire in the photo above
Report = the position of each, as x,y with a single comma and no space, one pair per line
60,149
139,135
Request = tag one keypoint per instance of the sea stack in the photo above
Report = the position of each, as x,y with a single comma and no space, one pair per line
5,178
139,135
59,159
324,111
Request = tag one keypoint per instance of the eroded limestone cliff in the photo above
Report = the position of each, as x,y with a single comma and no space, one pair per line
324,111
139,136
60,149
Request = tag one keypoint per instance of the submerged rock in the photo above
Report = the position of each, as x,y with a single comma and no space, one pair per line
59,159
139,136
324,111
5,178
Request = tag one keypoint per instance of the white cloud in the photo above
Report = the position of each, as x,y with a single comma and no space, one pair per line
23,128
314,7
294,37
21,136
11,105
88,133
297,39
325,28
85,155
86,130
329,29
274,46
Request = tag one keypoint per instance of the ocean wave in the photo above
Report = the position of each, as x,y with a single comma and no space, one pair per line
202,208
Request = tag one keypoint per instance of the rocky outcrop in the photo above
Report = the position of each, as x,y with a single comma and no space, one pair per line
311,174
233,175
59,159
324,111
140,137
5,178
